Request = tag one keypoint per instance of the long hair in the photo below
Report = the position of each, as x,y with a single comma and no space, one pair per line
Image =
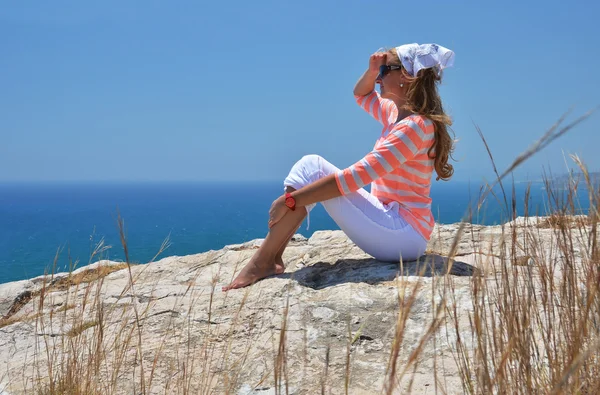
422,98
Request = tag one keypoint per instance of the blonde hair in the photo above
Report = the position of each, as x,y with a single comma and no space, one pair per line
422,98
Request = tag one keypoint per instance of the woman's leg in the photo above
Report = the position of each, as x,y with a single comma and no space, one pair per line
377,229
262,264
280,267
268,258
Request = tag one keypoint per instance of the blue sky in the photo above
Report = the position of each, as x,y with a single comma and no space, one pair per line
240,90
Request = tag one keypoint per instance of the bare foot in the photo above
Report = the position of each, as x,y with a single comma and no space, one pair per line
251,273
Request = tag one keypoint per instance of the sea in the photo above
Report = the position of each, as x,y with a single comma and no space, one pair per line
54,226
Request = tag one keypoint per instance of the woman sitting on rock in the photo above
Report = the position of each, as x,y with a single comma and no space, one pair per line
394,221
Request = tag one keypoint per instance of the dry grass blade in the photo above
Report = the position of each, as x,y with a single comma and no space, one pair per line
487,148
140,353
552,134
546,139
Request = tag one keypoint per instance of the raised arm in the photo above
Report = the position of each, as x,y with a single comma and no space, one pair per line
366,83
367,97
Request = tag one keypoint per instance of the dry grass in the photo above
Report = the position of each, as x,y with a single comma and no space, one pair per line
12,320
59,284
81,328
557,221
533,323
535,326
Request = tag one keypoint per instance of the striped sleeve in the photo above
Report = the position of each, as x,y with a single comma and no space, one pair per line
379,108
402,144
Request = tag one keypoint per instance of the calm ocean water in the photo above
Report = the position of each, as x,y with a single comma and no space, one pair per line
39,220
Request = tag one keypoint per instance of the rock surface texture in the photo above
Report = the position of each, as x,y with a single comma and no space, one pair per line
328,322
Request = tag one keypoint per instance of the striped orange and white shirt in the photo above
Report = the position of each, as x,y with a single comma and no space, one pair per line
398,166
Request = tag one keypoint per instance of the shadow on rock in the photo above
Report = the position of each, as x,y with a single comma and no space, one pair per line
371,271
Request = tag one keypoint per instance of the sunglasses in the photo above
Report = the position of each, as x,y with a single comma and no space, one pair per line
384,69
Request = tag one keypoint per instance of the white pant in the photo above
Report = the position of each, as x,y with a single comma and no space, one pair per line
376,228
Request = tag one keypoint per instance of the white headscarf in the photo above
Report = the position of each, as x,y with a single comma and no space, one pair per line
415,57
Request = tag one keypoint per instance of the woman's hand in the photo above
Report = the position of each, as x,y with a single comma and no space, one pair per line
376,60
277,211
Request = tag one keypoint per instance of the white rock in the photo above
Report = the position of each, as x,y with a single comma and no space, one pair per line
332,291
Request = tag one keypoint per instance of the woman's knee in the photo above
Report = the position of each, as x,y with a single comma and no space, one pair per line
310,166
307,170
317,165
311,161
303,172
